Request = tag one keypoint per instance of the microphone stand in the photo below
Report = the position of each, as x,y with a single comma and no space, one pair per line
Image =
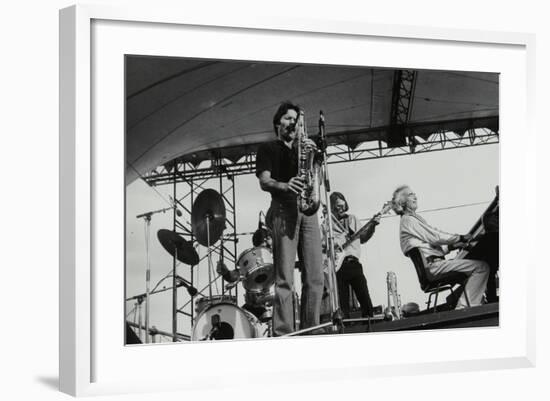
192,291
147,219
337,320
139,302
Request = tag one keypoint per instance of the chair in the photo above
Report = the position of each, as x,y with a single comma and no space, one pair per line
434,286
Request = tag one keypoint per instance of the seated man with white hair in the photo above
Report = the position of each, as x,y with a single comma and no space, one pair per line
415,232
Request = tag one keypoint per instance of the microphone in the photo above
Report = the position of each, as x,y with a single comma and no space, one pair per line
260,224
181,282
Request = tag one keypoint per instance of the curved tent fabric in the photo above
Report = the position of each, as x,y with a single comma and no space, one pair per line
194,109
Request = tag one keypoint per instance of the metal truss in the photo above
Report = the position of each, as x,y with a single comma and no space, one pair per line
224,249
435,142
402,97
208,169
404,83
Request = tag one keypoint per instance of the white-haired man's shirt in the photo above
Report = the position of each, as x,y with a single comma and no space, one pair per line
415,232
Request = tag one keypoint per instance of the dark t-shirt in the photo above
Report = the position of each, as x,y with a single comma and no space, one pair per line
281,162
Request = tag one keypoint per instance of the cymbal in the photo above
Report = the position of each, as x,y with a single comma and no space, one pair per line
177,246
209,204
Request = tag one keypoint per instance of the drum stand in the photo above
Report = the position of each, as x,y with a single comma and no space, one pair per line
175,296
207,217
209,257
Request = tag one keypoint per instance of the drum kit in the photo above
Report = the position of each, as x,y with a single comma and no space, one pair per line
218,316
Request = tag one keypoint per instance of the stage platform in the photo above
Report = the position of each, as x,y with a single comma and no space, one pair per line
478,316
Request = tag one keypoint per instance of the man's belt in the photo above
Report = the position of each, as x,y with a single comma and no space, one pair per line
433,258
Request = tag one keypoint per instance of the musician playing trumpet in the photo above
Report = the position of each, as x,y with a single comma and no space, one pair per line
277,172
349,271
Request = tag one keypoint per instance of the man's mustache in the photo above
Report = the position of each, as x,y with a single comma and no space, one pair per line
291,128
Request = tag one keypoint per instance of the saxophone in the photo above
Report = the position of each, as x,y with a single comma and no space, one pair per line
393,311
309,168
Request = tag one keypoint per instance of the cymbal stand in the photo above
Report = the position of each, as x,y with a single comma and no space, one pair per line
174,296
209,256
147,276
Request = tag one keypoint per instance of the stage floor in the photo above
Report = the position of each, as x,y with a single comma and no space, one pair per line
478,316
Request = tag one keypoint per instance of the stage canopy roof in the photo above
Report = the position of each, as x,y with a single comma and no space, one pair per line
185,108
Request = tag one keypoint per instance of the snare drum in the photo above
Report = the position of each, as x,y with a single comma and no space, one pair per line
232,322
203,302
263,298
256,265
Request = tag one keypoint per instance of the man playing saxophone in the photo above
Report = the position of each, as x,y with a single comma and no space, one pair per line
277,169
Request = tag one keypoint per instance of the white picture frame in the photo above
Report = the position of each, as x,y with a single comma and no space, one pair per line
89,359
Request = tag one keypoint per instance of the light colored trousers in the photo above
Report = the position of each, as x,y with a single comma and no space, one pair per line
478,272
294,232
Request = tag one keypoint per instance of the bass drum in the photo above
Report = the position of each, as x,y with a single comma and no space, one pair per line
225,321
203,302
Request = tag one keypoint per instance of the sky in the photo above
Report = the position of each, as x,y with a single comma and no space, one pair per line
453,188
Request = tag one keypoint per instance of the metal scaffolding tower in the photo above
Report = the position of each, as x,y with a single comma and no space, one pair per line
225,248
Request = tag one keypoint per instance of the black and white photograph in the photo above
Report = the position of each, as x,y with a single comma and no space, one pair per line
267,201
271,199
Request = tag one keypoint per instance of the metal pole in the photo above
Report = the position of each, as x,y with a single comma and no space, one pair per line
209,257
174,273
192,267
147,277
139,318
235,239
221,239
136,305
334,297
179,336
